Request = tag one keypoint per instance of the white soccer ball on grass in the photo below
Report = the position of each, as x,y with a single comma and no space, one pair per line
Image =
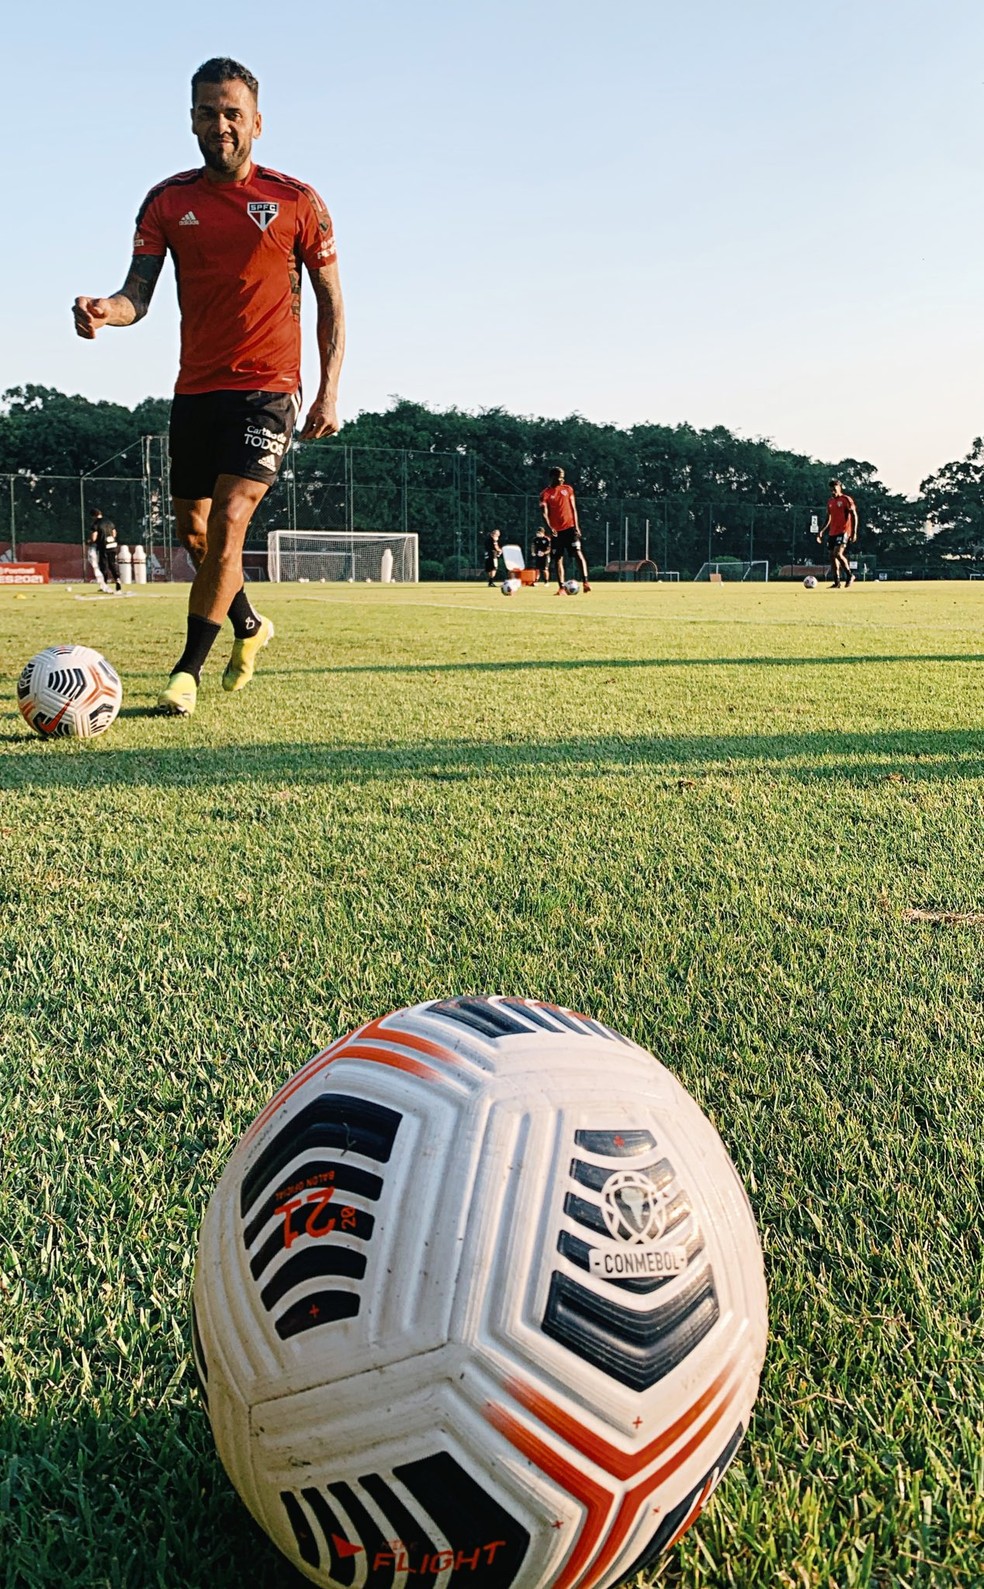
810,582
509,587
479,1303
69,691
572,587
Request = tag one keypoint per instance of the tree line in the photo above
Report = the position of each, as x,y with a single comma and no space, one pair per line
694,494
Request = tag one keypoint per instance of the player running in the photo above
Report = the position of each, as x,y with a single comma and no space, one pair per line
559,509
841,528
238,234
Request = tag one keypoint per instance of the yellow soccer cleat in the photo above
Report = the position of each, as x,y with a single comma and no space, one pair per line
181,696
242,663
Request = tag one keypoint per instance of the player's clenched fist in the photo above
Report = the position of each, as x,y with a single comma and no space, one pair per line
322,420
90,314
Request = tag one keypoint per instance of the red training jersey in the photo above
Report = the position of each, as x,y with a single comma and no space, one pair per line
840,511
238,248
559,503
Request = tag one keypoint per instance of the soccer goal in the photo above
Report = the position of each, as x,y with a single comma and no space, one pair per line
354,556
733,570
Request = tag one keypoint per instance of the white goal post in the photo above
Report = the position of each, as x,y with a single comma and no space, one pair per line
733,570
352,556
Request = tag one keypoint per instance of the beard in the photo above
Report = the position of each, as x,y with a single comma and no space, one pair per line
225,158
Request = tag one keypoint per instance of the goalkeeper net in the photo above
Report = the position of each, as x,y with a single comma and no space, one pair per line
354,556
731,568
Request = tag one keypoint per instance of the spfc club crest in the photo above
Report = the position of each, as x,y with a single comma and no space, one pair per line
263,212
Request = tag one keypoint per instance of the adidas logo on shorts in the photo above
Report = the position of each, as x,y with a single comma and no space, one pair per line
191,219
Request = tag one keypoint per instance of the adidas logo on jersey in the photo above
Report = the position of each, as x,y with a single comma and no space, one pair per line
191,219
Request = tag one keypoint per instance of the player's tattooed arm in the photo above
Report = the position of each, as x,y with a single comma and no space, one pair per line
322,419
124,307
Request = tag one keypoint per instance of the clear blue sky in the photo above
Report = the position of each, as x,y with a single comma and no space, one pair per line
764,213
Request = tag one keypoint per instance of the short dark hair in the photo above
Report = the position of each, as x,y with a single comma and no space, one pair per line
556,472
222,69
834,483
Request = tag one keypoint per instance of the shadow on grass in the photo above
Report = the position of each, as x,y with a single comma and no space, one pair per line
143,1491
575,664
829,756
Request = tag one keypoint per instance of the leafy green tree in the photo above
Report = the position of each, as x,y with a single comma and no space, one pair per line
43,431
954,506
151,416
703,493
452,475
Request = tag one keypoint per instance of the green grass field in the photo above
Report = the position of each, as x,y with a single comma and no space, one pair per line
703,814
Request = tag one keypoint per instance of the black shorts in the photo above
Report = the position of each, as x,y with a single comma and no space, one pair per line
239,433
838,542
541,561
566,541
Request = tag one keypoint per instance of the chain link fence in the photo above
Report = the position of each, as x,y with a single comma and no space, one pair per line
329,485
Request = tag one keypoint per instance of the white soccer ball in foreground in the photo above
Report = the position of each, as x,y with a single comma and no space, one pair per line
810,582
69,690
572,587
479,1302
509,587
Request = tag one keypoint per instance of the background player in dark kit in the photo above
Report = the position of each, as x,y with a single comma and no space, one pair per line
239,235
103,536
493,551
542,545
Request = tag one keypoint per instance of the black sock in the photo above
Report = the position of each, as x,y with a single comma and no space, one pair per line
244,620
202,635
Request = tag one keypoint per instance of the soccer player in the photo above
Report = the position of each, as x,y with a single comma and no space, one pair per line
559,509
239,234
93,555
103,537
493,551
541,554
841,528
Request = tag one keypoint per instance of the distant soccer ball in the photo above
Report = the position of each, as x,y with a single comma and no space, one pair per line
479,1302
810,582
572,587
69,691
509,587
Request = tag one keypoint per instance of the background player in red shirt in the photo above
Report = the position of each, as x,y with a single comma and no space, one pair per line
559,508
842,529
239,235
